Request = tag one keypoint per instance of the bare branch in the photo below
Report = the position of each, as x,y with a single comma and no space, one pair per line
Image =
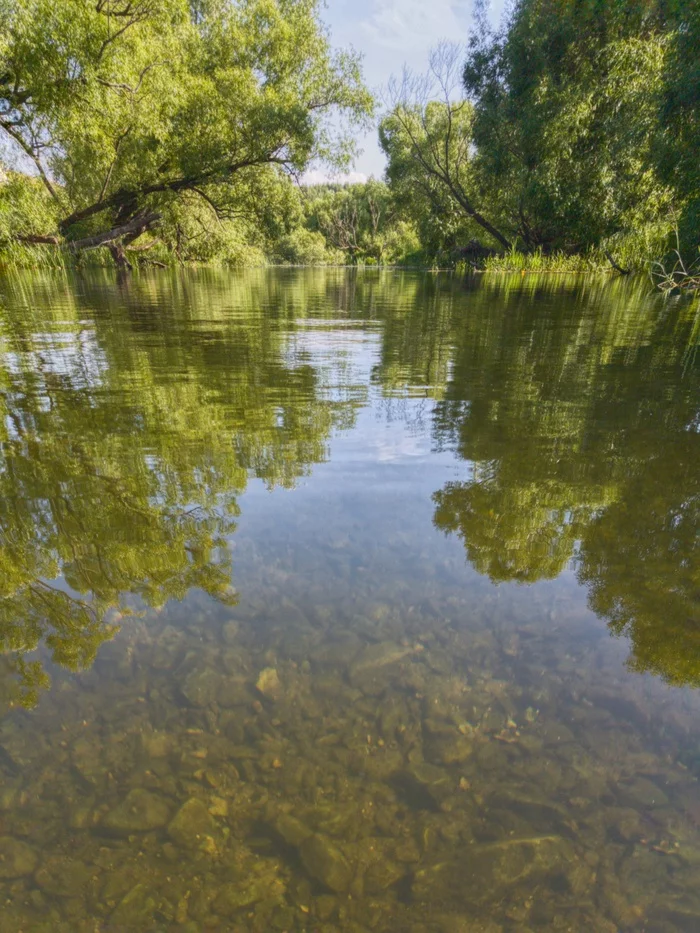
31,152
38,238
431,113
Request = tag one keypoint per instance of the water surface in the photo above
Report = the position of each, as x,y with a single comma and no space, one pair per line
336,601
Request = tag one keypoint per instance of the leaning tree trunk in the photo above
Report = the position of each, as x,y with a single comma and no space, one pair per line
120,236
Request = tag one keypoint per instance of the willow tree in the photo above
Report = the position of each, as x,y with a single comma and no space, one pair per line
126,108
567,99
427,137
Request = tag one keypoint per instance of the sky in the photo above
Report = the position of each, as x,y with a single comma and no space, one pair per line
389,34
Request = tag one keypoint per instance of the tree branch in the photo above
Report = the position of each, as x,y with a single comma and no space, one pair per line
38,238
133,228
187,183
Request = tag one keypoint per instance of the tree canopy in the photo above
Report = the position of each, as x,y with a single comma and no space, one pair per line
572,108
129,110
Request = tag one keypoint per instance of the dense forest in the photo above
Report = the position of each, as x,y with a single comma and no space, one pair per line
159,131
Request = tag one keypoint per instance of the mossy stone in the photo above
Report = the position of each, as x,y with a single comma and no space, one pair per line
326,863
269,683
201,687
192,824
17,859
237,894
382,874
63,877
292,830
139,812
135,910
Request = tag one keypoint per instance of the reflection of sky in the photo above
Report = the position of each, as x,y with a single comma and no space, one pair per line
76,356
387,430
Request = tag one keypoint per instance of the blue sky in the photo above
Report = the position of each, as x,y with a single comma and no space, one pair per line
390,33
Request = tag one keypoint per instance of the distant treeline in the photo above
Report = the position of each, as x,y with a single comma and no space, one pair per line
177,130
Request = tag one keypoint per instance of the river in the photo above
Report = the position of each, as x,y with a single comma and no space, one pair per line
339,600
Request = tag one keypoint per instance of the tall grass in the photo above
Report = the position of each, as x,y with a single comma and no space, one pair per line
538,262
14,255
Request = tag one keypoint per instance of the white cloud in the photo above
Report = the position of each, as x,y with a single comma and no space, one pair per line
316,176
412,25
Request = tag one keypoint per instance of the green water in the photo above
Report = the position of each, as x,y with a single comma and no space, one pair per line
337,601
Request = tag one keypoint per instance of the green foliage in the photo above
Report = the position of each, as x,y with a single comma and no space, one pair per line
127,108
572,102
187,121
427,136
25,207
538,262
303,247
356,224
353,219
680,117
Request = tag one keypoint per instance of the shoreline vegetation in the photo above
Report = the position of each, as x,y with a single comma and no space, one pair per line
153,133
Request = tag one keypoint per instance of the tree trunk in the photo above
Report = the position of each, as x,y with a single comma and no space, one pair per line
119,256
467,206
615,266
132,229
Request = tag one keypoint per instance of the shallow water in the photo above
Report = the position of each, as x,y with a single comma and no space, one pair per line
337,601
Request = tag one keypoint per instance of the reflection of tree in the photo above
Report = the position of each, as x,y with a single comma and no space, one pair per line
641,561
579,419
129,433
520,533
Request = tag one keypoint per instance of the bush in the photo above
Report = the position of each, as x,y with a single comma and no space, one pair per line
303,247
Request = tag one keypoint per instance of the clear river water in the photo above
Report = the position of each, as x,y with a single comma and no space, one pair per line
352,601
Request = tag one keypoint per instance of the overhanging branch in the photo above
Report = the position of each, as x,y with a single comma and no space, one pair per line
133,228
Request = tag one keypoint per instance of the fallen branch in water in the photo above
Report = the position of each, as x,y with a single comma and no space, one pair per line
679,278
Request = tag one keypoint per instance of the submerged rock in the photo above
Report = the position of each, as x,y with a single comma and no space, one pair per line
269,683
382,875
447,746
192,825
487,870
642,792
63,877
326,863
139,812
422,785
292,830
237,894
376,657
16,858
135,910
201,687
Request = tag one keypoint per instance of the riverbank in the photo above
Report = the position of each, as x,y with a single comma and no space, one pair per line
678,277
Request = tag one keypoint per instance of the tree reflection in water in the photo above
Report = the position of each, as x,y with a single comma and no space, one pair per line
134,414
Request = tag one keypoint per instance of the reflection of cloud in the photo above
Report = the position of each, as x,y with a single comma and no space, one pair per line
408,25
390,449
317,177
